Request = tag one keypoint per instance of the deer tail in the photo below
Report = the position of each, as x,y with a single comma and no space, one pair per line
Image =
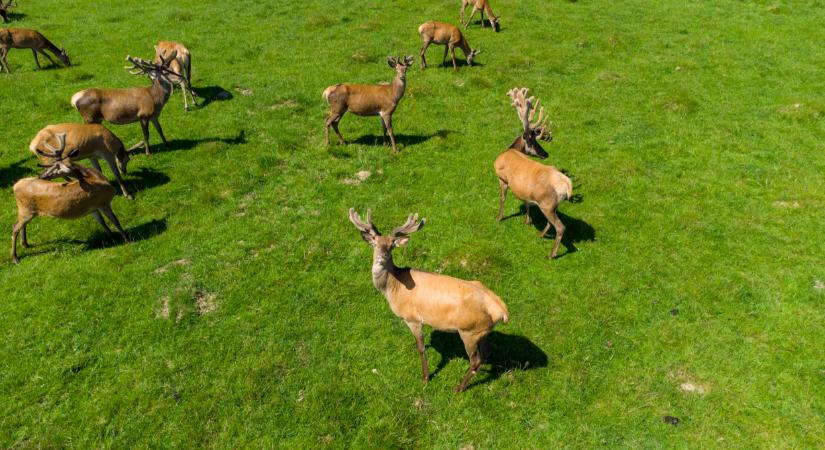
328,91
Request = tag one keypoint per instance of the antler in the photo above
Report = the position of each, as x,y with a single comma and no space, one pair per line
141,66
411,226
363,227
56,152
526,108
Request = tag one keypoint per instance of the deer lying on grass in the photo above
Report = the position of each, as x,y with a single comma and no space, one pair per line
5,8
484,7
25,38
92,141
181,64
124,106
419,298
368,100
448,35
532,182
91,193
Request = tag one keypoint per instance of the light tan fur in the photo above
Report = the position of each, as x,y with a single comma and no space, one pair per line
92,141
422,298
484,7
444,34
181,64
368,100
31,39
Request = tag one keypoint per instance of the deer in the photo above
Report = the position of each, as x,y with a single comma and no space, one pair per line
92,141
181,64
368,100
530,181
484,7
138,104
448,35
5,8
422,298
31,39
89,193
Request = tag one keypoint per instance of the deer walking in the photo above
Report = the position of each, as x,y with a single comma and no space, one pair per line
5,8
484,7
90,193
31,39
125,106
530,181
448,35
180,64
91,141
421,298
368,100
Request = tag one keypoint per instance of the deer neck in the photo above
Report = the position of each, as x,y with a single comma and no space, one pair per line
398,86
382,268
161,90
465,46
517,145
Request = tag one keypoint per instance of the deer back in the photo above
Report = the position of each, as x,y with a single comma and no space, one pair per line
367,99
88,139
119,106
530,180
64,200
22,38
182,62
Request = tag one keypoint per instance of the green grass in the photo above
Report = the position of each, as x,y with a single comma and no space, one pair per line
694,135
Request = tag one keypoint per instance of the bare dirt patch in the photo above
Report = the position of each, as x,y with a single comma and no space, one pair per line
689,384
205,302
358,178
178,263
286,103
163,311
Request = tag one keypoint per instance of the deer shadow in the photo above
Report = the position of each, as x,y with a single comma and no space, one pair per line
101,239
145,178
14,17
188,144
486,23
576,230
402,139
211,94
14,172
507,352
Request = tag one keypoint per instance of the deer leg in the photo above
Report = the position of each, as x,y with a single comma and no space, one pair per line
144,126
24,239
3,63
337,131
388,121
99,219
452,53
527,219
36,62
183,91
482,19
418,332
110,160
552,217
423,55
48,57
384,128
19,225
156,123
107,210
502,195
444,59
471,17
471,347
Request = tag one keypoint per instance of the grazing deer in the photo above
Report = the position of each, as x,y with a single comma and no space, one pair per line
5,8
532,182
89,140
124,106
368,100
421,298
25,38
484,7
181,64
91,193
448,35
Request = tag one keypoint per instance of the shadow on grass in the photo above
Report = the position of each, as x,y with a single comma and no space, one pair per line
144,179
100,239
507,352
209,94
402,139
15,17
576,230
12,173
188,144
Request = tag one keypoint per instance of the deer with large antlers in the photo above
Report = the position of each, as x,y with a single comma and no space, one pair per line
89,193
422,298
5,8
484,7
91,141
530,181
447,35
181,64
368,100
31,39
124,106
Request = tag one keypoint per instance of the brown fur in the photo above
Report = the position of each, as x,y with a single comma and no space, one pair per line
444,34
484,7
31,39
181,64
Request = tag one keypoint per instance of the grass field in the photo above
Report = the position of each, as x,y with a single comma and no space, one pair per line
690,283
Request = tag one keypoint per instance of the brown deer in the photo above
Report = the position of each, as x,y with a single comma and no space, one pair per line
91,141
421,298
181,64
124,106
91,193
484,7
448,35
5,8
25,38
532,182
368,100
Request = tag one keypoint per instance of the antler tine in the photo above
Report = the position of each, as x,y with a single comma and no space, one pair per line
410,226
367,227
56,152
522,105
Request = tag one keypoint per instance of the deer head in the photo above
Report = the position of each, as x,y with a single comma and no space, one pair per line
472,56
383,245
61,166
494,23
64,57
399,66
533,131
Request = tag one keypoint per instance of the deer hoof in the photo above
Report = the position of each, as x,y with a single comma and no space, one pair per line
15,260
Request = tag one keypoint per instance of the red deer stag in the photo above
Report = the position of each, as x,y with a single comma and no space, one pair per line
31,39
421,298
368,100
484,7
181,64
91,193
448,35
532,182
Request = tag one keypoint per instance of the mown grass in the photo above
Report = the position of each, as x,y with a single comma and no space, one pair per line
244,315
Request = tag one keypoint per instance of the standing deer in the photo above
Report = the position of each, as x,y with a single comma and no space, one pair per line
5,8
484,7
89,140
124,106
181,64
532,182
421,298
368,100
91,193
25,38
448,35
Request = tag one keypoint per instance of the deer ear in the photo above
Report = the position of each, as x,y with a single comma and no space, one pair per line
400,241
368,238
392,62
74,153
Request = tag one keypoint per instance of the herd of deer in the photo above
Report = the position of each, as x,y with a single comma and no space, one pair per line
417,297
